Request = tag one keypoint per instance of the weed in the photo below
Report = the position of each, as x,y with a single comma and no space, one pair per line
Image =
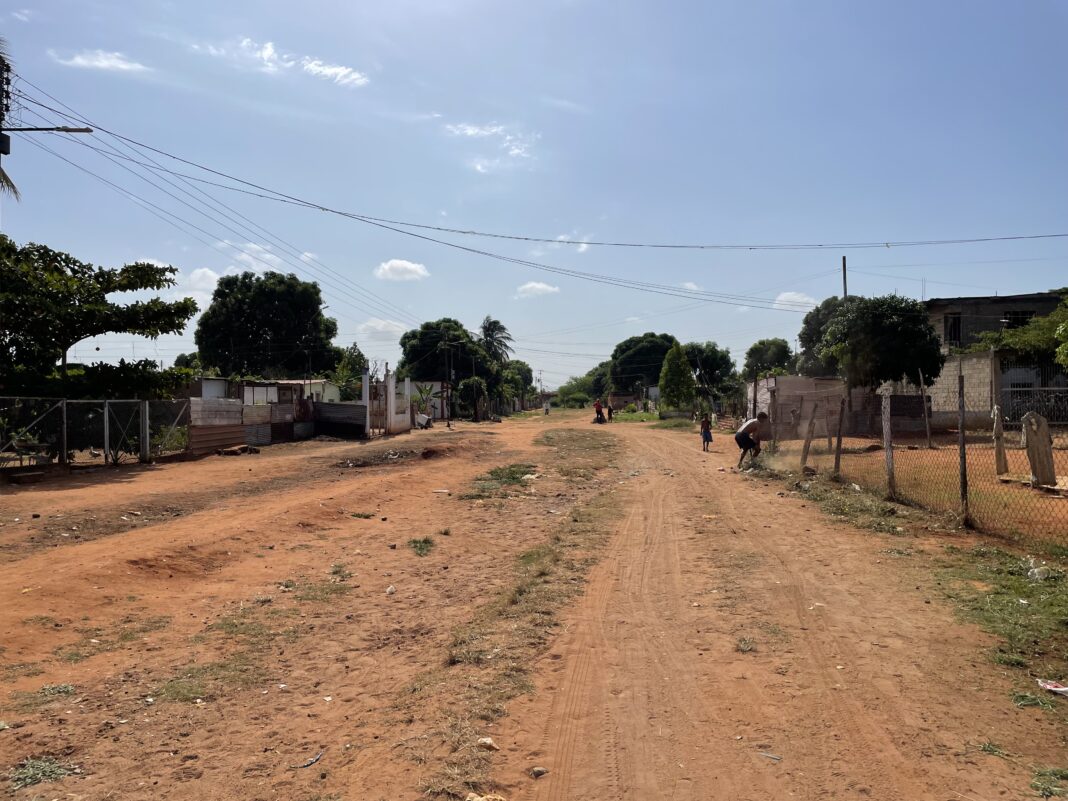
40,620
1023,700
422,547
54,690
263,600
19,669
1050,782
243,670
745,645
993,748
321,590
96,640
363,515
675,423
510,474
338,571
445,532
240,625
32,770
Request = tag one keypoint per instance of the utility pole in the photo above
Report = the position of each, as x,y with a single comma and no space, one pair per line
845,285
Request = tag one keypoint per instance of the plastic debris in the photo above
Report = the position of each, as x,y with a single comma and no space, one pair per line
1053,686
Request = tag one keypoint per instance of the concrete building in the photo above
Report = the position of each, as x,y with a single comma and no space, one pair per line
315,389
960,321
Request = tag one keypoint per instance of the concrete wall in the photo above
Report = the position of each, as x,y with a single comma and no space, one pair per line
985,314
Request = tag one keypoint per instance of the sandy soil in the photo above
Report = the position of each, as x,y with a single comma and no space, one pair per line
860,680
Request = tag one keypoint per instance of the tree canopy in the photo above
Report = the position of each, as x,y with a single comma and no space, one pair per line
51,301
348,373
767,356
713,369
495,339
887,338
636,361
271,325
809,338
677,385
1035,340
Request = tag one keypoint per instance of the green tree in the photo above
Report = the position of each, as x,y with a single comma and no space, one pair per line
517,380
473,393
1062,347
636,361
270,324
713,369
575,392
7,186
348,372
430,351
51,301
495,339
767,356
811,335
879,339
1036,340
677,385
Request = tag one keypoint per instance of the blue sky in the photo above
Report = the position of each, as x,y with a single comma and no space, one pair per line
710,122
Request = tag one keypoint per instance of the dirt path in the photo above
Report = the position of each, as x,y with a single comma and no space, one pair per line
733,646
731,643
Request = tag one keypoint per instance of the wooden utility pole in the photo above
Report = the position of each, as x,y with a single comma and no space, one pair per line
923,401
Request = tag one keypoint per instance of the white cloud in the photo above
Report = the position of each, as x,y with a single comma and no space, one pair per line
793,300
533,289
256,258
267,58
474,131
690,285
376,325
742,310
582,245
99,60
633,320
513,145
22,14
401,270
341,75
307,256
155,262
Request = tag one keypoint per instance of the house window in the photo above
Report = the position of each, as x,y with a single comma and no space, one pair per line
1018,319
951,329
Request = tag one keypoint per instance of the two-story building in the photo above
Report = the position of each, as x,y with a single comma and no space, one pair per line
960,321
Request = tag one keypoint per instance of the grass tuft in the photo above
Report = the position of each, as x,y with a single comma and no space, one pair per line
745,645
423,546
1050,782
35,770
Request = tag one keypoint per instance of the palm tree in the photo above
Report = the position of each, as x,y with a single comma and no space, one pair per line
495,339
7,186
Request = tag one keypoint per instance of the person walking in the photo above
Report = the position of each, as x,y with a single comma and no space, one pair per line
706,432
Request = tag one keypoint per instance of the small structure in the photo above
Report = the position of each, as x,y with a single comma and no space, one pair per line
960,321
314,389
208,387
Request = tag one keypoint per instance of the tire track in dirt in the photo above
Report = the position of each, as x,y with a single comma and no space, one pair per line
853,688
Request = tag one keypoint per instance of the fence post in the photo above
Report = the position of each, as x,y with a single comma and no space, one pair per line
774,412
828,414
888,447
923,402
107,433
146,434
1001,461
838,442
808,435
63,435
961,443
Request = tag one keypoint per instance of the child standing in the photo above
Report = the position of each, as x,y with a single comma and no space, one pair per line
706,432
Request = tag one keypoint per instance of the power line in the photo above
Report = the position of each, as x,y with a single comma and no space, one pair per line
578,243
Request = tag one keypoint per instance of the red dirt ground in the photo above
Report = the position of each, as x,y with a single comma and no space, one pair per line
862,680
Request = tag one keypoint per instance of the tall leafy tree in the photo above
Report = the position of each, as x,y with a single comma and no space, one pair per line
270,324
767,356
813,325
348,373
713,368
51,301
879,339
636,361
1036,340
495,339
677,385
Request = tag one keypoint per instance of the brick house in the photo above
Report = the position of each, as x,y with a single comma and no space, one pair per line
960,321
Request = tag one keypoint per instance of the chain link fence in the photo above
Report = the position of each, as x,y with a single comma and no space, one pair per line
976,466
35,432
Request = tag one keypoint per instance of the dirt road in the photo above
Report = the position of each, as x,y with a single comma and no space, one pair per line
731,643
733,646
